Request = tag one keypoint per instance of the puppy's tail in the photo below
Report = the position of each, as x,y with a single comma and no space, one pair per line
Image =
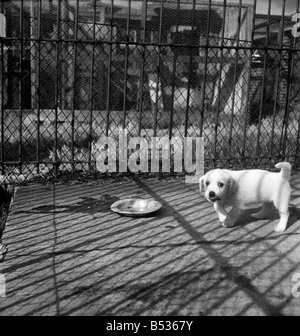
285,169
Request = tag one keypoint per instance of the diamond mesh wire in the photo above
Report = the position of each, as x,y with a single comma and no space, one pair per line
75,72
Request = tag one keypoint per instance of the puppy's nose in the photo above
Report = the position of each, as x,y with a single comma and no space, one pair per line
212,194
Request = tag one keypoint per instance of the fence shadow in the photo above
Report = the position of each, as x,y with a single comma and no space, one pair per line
70,255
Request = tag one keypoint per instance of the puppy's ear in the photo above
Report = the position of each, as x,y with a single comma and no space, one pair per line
201,182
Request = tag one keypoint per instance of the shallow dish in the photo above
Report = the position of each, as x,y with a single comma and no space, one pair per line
135,207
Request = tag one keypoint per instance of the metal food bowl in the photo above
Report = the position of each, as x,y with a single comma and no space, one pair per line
135,207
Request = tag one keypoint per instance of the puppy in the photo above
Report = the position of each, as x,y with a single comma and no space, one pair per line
226,188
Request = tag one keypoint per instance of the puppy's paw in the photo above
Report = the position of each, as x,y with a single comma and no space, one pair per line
222,217
280,228
227,223
232,218
282,224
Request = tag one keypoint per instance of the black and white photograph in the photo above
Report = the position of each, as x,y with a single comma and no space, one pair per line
149,160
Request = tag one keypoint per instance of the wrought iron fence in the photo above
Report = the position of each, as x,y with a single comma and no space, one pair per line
75,71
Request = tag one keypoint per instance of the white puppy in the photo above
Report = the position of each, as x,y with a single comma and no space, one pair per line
227,188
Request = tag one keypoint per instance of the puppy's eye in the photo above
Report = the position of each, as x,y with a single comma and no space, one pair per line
207,183
221,185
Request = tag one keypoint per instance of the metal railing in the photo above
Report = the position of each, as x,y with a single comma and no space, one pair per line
73,71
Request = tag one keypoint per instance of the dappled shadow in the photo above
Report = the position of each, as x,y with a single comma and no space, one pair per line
247,217
70,255
86,204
